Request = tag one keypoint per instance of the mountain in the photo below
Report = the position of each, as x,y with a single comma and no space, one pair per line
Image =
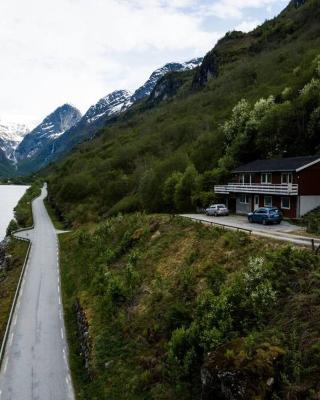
11,135
36,154
45,134
268,74
109,105
146,89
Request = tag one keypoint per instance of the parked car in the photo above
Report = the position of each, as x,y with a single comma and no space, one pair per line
217,210
266,215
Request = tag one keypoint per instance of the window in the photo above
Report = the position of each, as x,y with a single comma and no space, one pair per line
268,201
244,199
285,203
245,178
287,178
266,178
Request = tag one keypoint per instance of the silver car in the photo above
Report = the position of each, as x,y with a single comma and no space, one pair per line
217,210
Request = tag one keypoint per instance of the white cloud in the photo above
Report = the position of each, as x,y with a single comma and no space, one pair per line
235,8
77,51
247,25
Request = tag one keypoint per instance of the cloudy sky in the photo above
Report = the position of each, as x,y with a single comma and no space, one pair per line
77,51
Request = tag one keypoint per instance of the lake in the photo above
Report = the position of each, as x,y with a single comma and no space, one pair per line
9,197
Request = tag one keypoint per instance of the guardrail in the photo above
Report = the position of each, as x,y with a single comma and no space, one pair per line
16,295
214,223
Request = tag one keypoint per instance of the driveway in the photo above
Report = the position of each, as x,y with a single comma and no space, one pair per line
285,231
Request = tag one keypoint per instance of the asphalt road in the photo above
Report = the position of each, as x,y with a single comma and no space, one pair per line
35,365
285,232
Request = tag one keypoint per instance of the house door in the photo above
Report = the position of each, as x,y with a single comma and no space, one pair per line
256,202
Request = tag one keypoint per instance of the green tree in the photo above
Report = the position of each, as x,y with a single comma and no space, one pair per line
169,189
185,189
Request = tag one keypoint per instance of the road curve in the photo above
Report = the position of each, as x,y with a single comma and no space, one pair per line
35,365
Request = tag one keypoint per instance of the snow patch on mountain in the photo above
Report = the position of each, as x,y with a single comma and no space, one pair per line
146,89
51,128
11,135
109,105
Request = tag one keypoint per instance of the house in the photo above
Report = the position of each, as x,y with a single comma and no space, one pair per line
291,184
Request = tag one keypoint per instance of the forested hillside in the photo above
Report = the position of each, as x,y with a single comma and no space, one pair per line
255,95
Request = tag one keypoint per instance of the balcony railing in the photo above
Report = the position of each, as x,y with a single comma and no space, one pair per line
257,188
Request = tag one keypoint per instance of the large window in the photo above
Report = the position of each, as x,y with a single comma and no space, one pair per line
287,178
285,203
244,199
266,178
268,201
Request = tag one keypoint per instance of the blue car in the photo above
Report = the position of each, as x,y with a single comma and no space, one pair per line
266,215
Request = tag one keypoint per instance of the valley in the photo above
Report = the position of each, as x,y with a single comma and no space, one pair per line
158,306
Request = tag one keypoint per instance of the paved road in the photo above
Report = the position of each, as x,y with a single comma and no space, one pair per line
285,232
35,365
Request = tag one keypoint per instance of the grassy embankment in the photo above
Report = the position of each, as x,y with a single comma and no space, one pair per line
163,299
17,250
9,280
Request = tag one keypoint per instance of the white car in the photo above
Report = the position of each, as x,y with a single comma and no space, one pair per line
217,210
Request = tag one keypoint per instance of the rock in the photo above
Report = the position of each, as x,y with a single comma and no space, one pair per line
155,235
154,227
83,335
108,364
230,373
166,88
208,69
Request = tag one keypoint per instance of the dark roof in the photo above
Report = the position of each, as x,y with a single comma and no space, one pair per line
281,164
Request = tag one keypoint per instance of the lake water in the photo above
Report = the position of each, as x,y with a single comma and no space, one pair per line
9,197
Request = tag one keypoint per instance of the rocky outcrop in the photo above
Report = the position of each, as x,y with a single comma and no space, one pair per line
208,69
166,88
83,335
297,3
232,373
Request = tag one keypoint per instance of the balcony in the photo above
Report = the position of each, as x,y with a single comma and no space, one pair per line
257,188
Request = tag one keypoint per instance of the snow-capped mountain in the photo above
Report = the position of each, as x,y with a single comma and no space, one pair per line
52,127
109,105
11,135
51,139
146,89
120,100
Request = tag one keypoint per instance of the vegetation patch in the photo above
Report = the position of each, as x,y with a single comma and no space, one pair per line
162,308
12,256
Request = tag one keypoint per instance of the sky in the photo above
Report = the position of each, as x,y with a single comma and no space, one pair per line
78,51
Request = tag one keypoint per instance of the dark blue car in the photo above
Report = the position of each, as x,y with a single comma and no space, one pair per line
266,215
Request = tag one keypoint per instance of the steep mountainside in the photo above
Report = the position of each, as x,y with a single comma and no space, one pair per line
105,111
6,167
110,105
11,136
146,89
45,134
255,95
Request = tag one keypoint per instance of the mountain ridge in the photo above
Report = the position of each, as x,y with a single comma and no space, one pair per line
105,110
